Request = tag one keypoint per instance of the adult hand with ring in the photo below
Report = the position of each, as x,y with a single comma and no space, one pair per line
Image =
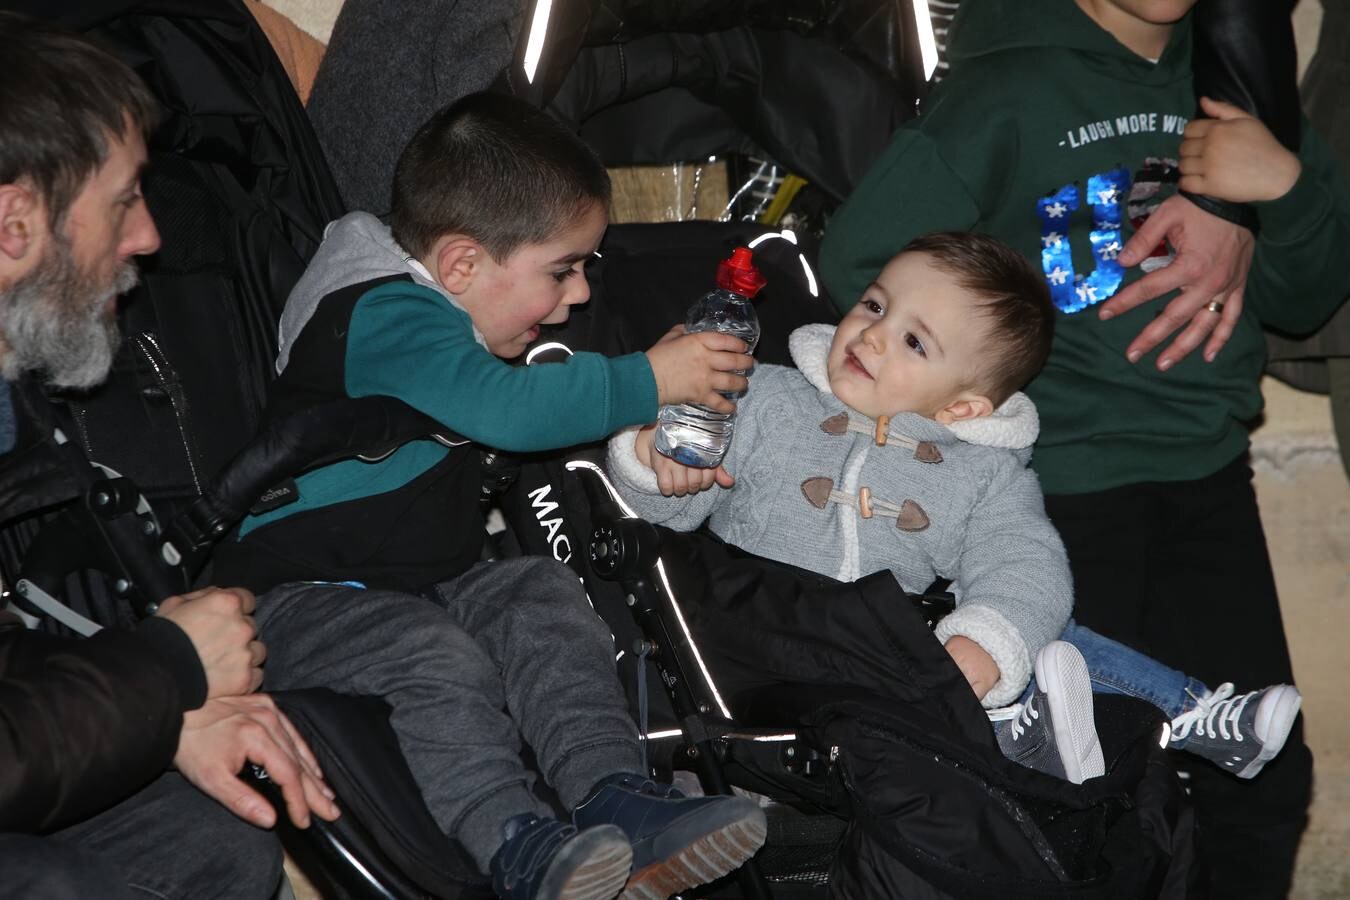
1213,257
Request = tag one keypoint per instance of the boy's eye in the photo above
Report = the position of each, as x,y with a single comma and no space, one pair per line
564,274
913,343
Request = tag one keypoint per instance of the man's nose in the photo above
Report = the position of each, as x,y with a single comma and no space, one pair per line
140,236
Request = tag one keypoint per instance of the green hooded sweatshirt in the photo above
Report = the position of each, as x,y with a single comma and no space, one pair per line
1055,137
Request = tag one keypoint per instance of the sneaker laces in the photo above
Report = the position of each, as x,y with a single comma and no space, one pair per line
649,787
1023,714
1216,708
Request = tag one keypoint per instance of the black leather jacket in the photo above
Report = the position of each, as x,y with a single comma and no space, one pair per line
87,722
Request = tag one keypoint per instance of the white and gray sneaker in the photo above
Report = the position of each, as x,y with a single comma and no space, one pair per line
1239,734
1053,731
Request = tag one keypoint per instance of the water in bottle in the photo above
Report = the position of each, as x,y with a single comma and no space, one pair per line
693,434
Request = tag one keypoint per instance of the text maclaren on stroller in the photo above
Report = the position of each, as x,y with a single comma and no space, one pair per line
832,700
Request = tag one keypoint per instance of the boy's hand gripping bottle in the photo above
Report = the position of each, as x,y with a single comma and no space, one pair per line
695,435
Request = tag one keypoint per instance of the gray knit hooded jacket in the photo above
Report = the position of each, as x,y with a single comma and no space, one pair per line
957,502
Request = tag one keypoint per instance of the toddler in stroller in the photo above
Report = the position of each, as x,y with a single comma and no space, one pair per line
900,443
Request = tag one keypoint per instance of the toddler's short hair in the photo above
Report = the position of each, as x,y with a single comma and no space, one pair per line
496,169
1011,293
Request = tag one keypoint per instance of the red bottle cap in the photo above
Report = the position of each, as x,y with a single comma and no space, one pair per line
738,273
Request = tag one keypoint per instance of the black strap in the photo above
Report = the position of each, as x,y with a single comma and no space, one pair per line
1238,213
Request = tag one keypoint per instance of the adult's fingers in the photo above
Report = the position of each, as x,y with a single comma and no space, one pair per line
1232,311
284,771
1151,286
170,605
1149,235
236,796
1177,314
1201,324
301,747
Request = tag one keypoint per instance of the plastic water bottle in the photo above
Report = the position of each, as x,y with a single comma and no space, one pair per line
689,433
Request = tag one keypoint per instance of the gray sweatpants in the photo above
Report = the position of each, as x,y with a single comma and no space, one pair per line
506,651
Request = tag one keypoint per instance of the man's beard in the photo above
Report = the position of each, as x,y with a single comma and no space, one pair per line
57,321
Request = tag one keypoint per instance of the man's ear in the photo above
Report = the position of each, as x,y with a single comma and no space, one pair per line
968,405
22,220
457,261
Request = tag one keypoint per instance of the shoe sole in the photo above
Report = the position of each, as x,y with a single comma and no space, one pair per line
594,865
706,859
1063,675
1277,722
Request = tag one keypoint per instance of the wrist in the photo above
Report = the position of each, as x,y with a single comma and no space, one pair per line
1238,213
642,444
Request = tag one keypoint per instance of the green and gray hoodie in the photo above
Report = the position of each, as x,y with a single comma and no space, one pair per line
365,320
1056,138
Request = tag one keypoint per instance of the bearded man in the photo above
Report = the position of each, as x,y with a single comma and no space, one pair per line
90,728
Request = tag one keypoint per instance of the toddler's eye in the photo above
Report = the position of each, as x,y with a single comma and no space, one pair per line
913,343
872,306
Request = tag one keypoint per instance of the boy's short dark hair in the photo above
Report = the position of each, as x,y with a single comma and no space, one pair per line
1015,299
496,169
61,99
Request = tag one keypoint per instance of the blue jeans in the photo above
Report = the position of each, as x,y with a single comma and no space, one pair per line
1118,669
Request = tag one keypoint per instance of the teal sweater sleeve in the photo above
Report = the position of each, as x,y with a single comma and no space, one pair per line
409,342
1300,274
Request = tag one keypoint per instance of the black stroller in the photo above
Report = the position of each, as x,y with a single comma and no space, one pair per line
851,774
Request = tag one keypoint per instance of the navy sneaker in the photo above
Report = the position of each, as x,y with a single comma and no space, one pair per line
1054,731
678,842
1239,734
544,859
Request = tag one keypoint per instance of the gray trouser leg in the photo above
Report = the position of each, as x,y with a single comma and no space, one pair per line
169,842
450,706
556,659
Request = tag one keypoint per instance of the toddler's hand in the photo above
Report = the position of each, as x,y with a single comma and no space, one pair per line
1233,156
676,479
974,662
699,367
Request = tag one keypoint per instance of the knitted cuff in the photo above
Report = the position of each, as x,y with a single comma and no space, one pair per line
997,636
624,465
